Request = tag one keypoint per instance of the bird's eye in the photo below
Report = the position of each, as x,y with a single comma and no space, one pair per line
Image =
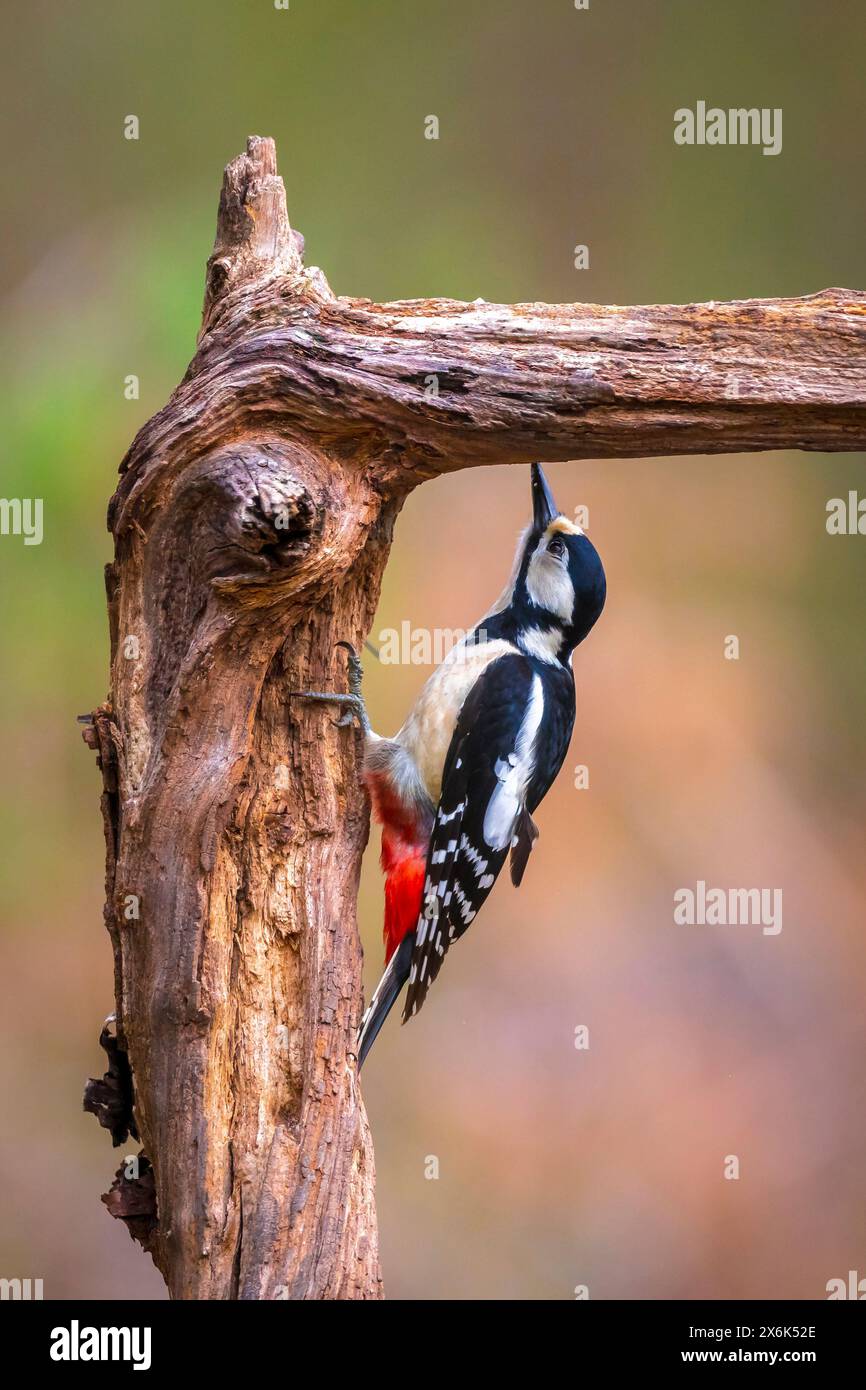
556,547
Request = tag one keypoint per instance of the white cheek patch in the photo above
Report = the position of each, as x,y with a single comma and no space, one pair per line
549,585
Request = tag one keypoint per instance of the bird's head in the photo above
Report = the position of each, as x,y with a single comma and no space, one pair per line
559,586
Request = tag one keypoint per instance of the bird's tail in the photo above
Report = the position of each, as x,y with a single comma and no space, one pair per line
388,988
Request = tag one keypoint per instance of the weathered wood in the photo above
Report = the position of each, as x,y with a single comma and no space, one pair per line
252,523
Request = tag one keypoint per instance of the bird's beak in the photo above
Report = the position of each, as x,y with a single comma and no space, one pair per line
544,509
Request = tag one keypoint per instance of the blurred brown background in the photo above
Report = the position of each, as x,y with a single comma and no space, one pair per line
558,1167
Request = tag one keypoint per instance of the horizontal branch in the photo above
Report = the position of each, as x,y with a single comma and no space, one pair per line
422,387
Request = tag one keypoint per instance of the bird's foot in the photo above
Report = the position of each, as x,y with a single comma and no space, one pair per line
352,700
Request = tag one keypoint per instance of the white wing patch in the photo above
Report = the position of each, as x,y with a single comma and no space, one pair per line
514,775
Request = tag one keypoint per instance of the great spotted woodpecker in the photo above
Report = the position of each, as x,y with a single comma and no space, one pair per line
455,789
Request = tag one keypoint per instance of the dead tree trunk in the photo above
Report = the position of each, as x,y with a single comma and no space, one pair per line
252,524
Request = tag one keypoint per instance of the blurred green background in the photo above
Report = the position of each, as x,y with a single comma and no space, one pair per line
557,1167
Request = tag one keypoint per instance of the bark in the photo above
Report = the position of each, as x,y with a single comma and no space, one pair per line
252,523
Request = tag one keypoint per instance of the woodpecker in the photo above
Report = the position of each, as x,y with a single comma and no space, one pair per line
455,789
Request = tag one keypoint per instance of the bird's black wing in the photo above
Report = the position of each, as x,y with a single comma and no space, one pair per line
496,753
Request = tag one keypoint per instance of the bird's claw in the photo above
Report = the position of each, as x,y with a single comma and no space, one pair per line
353,700
355,669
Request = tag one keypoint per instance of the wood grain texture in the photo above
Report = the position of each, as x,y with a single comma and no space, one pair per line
252,523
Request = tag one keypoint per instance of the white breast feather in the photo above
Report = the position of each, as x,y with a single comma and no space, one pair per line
426,735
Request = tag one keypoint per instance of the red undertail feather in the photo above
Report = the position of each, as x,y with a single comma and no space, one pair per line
404,863
404,889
